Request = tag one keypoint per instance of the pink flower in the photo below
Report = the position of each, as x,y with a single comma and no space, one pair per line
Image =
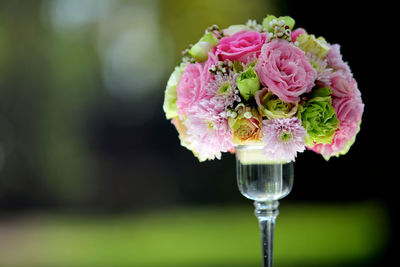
208,131
343,86
336,62
224,89
193,85
296,33
347,104
340,144
283,138
241,46
349,111
285,70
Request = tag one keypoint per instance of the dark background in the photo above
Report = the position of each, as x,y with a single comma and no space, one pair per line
368,170
79,135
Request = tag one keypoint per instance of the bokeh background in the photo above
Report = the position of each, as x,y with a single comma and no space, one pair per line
91,173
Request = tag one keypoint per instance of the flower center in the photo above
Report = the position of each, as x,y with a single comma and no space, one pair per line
245,131
224,88
277,105
286,137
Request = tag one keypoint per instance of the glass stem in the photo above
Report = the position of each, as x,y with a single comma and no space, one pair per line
266,213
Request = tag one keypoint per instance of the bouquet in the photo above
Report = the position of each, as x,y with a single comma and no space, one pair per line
269,85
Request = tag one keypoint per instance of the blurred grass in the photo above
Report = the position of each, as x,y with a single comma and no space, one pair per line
306,235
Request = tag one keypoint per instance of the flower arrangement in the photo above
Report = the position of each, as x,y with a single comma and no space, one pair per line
268,85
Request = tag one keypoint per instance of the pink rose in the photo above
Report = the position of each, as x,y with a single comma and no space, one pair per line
296,33
343,86
285,70
241,46
192,86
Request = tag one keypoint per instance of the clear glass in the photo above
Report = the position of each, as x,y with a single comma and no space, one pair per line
265,182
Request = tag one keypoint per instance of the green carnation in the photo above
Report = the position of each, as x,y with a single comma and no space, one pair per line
319,117
170,95
317,46
200,50
272,107
248,83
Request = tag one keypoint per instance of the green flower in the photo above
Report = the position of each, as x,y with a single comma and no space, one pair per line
248,83
319,117
200,50
272,107
170,95
270,18
317,46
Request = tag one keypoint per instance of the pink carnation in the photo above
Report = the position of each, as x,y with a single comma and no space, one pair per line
241,46
343,86
296,33
285,70
283,138
193,85
349,110
341,141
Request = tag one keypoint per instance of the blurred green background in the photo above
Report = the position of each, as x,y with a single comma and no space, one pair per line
91,173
